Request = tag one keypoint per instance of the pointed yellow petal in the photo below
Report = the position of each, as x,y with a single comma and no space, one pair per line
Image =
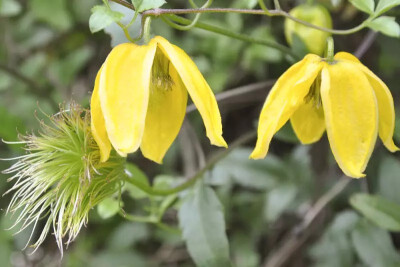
386,109
97,122
308,122
165,114
351,116
285,97
385,102
198,89
124,94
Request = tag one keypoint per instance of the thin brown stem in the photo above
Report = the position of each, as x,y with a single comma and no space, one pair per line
300,234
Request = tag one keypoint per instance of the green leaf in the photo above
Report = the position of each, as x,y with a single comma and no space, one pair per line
10,126
286,133
164,182
237,166
377,209
202,222
251,4
278,200
335,246
139,176
366,6
374,246
108,208
126,235
143,5
389,182
54,12
385,5
101,17
69,67
244,250
385,25
9,8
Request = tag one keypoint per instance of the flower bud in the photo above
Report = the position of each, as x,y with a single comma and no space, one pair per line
315,40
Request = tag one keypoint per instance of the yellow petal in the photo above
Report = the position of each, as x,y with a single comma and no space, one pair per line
285,97
97,122
165,114
351,116
346,56
385,103
198,89
124,94
308,122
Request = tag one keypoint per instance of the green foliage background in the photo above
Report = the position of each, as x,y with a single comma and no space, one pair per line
48,56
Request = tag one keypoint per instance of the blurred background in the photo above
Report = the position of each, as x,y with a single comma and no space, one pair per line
48,56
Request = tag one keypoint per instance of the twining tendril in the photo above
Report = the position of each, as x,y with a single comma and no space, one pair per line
193,23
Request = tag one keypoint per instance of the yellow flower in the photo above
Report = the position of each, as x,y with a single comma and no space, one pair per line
140,98
343,96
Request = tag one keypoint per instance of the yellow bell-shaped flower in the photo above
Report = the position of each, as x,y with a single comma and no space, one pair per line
140,98
342,96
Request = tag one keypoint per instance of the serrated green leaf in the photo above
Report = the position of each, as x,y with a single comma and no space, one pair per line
108,208
143,5
385,25
101,17
9,8
203,226
366,6
378,210
385,5
374,246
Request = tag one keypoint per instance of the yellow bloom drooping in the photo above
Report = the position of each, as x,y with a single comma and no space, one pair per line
344,97
140,98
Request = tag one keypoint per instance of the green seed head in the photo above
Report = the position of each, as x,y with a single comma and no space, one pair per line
60,178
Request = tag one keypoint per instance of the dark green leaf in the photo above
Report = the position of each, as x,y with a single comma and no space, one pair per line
374,246
335,246
53,12
389,182
377,209
386,25
101,17
237,166
127,234
278,200
286,133
67,68
202,222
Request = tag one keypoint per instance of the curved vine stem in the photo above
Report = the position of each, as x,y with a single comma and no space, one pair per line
263,11
242,37
191,181
193,23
